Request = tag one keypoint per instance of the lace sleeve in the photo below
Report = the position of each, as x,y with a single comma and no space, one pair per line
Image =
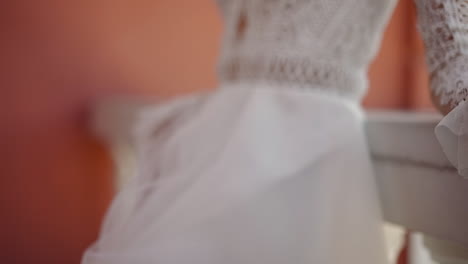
444,28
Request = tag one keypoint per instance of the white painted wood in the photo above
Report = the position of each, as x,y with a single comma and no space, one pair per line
419,188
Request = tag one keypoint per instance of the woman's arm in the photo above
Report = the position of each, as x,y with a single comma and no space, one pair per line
444,28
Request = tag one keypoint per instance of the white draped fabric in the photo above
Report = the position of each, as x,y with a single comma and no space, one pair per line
244,175
273,166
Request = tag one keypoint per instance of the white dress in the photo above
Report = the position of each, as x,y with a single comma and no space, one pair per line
272,167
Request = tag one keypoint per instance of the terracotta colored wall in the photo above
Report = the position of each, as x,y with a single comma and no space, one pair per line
57,57
398,76
389,72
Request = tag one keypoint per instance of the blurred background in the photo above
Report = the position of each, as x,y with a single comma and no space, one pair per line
58,57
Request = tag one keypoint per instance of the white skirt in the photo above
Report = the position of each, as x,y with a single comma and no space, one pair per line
247,175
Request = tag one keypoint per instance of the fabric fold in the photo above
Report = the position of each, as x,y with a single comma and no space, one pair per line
452,134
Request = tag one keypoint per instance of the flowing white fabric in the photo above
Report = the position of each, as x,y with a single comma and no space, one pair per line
244,175
271,168
452,133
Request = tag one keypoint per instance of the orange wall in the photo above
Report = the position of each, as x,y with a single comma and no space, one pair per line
57,57
398,76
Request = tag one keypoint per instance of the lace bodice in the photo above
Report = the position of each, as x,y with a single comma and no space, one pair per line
325,44
444,27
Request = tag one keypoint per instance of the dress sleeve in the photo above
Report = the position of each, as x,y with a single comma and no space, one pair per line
444,28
